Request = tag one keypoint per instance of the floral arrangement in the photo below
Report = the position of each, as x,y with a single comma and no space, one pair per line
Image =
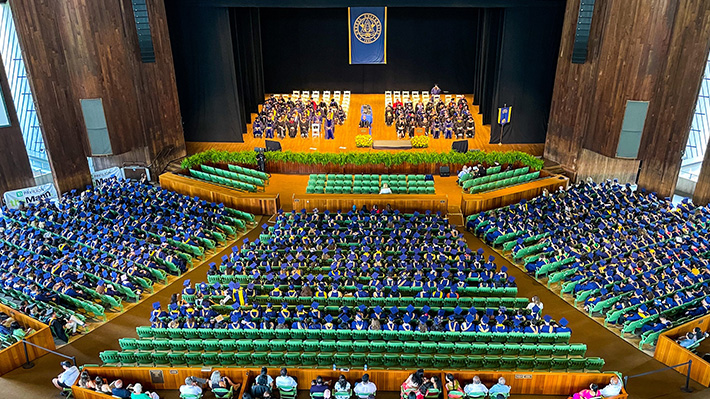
363,140
420,141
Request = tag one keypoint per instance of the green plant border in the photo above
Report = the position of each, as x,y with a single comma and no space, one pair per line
364,158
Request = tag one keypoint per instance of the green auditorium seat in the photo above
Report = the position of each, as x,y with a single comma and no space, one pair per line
546,337
194,345
178,345
344,345
408,360
411,347
395,346
311,345
177,359
577,350
259,358
560,350
292,359
309,358
559,363
391,359
378,346
325,359
228,345
110,357
441,361
374,359
511,349
127,357
545,350
475,362
190,333
193,359
280,333
275,358
576,364
128,343
594,364
425,360
245,345
543,363
144,358
361,346
210,358
242,358
528,349
428,347
294,345
495,349
226,359
211,345
508,363
526,363
145,344
144,332
343,334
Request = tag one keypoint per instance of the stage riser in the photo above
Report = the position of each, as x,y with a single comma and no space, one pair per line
256,203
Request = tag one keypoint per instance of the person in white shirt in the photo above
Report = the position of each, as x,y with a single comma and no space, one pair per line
475,387
342,385
613,389
385,189
68,377
365,388
190,387
285,381
535,302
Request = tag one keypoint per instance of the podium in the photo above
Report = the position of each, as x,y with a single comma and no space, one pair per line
364,130
418,131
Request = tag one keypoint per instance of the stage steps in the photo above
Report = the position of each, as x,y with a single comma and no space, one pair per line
174,166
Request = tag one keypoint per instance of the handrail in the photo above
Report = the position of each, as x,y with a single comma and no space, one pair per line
686,388
28,364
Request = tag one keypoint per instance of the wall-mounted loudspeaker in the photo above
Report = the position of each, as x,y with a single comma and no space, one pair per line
145,41
581,34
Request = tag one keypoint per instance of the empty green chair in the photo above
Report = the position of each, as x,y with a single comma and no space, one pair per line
144,358
427,347
275,358
193,359
177,359
109,357
425,360
325,359
292,359
242,358
194,345
259,358
128,344
211,345
411,347
395,346
543,363
375,360
508,363
594,364
577,349
391,359
475,362
441,361
309,358
226,359
210,358
178,345
228,345
408,360
576,364
344,346
559,363
341,360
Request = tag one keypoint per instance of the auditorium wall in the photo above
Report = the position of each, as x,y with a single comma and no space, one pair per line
641,50
76,49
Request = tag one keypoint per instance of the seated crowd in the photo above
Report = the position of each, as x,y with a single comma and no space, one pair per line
435,117
639,259
90,251
11,331
279,266
693,338
279,117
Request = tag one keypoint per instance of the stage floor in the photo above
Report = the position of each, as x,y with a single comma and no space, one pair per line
345,135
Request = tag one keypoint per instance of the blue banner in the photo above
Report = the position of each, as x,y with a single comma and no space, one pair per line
367,28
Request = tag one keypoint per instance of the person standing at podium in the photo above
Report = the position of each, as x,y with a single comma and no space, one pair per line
435,90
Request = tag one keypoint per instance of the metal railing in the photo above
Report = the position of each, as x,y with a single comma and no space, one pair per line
28,364
686,388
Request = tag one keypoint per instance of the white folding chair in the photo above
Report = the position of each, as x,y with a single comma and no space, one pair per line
326,93
315,130
405,93
388,93
415,93
447,98
296,94
398,94
315,94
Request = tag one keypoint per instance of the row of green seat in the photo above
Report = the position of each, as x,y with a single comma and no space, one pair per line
314,345
491,177
248,171
235,176
367,177
481,187
223,181
367,190
347,360
438,336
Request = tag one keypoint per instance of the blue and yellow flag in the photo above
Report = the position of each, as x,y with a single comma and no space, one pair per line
367,28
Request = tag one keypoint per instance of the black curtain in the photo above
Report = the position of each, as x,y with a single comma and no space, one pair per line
204,68
307,49
485,68
246,39
526,72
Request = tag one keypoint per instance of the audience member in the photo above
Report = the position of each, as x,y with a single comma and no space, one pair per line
262,385
139,394
285,380
613,388
191,387
475,388
342,385
119,391
320,388
67,378
365,388
590,393
499,390
453,387
413,383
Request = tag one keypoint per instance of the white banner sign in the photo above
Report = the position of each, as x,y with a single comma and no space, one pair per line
101,176
31,194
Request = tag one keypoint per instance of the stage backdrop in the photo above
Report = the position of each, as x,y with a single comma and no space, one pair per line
307,48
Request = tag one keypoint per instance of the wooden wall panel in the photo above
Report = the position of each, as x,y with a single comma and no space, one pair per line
600,167
673,101
89,49
13,356
575,85
670,353
15,169
647,50
475,203
525,383
38,29
258,203
701,196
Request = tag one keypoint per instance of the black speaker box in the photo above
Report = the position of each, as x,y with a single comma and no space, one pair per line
444,171
272,145
460,146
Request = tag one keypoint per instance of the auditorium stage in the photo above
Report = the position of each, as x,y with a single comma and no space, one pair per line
345,135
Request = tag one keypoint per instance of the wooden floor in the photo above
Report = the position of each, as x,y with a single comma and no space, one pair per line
345,135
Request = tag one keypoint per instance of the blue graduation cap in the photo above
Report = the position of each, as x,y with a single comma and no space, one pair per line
328,318
186,283
394,310
425,309
547,318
